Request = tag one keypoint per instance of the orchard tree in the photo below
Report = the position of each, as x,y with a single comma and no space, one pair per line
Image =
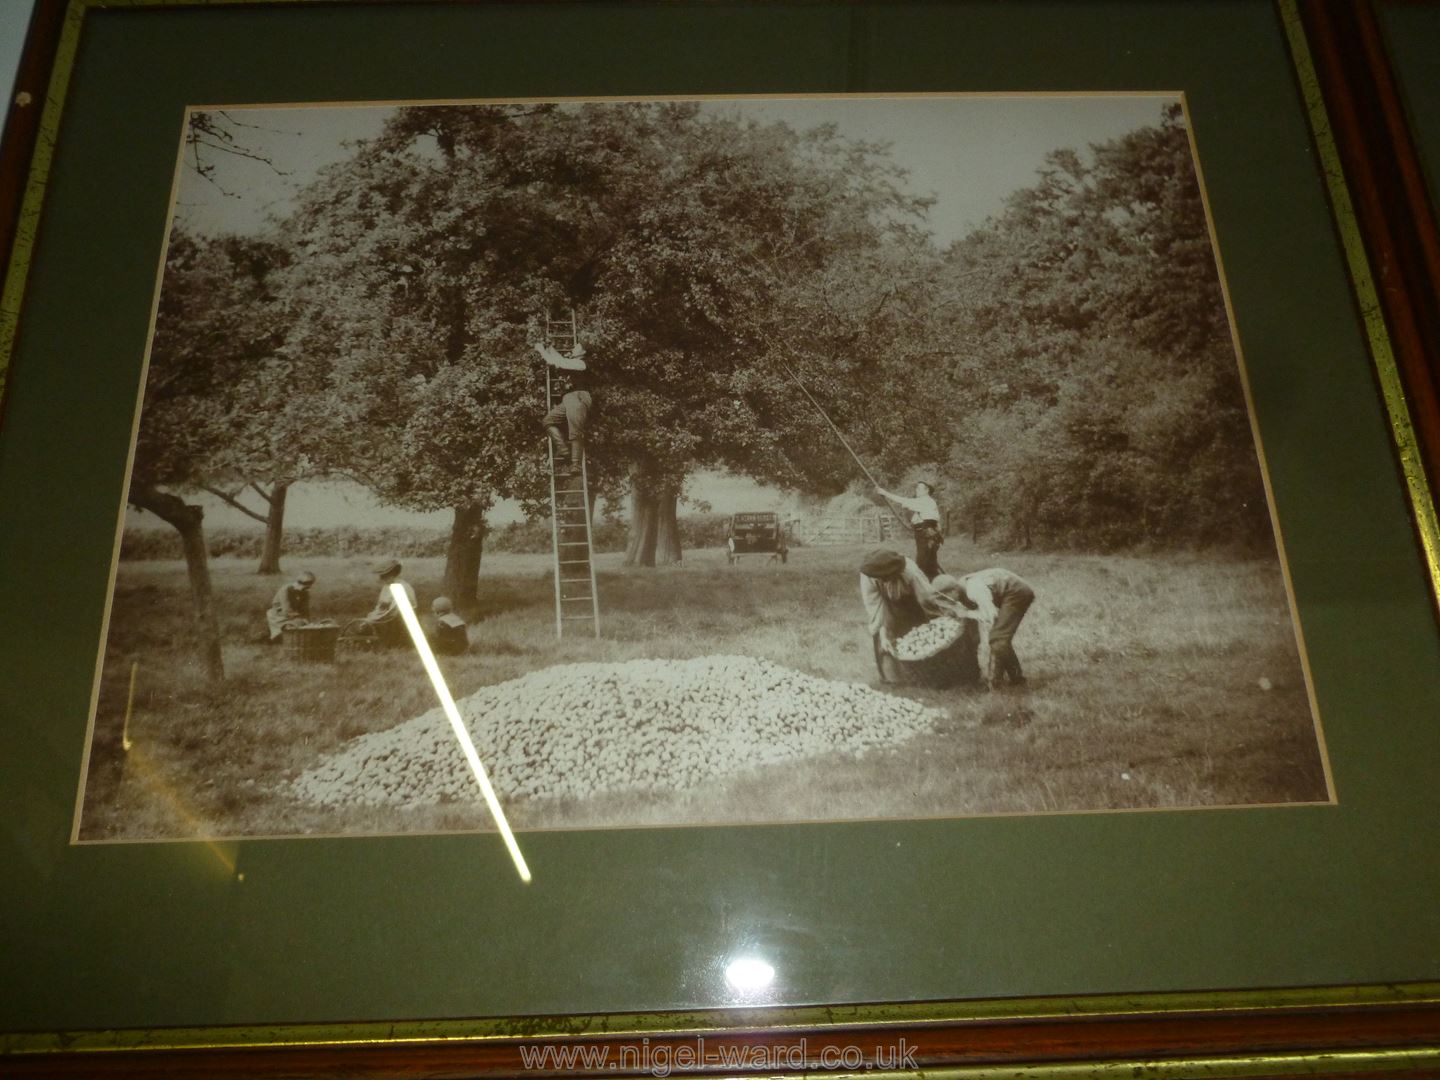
268,431
430,257
431,399
1095,385
184,405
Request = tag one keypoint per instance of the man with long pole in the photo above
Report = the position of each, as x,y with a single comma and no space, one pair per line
826,417
924,523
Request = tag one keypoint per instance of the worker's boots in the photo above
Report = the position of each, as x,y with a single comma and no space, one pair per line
1005,666
557,449
577,456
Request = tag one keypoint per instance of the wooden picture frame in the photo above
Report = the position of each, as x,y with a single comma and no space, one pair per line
1380,1022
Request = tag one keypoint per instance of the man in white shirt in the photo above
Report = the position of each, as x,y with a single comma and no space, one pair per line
999,599
573,408
925,521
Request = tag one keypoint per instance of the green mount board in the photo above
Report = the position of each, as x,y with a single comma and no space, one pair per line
316,930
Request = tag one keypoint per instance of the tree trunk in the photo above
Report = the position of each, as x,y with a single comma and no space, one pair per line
667,545
274,529
462,556
188,522
654,529
644,527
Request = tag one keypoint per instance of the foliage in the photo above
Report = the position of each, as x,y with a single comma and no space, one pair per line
1097,395
228,400
1065,370
430,256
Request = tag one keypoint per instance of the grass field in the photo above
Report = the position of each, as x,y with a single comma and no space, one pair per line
1155,681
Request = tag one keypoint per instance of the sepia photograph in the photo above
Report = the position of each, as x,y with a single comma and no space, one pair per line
744,460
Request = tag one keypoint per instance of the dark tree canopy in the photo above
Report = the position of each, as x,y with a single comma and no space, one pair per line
1097,394
692,242
1066,369
213,352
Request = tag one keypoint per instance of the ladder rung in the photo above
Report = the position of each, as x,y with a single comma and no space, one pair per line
574,562
573,580
576,618
574,543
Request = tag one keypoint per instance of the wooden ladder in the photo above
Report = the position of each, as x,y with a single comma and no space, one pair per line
576,599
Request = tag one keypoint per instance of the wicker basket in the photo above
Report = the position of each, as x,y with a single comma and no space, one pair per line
943,631
955,664
312,644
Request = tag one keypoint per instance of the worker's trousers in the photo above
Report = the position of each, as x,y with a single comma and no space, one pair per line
1004,664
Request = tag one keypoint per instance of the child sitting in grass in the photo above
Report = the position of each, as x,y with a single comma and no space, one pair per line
448,635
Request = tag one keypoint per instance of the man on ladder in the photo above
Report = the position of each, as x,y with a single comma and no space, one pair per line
573,408
568,396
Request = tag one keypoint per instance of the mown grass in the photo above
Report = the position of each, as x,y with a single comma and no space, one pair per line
1155,681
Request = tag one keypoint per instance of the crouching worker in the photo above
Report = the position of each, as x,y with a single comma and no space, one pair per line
898,598
383,621
290,607
448,635
1000,600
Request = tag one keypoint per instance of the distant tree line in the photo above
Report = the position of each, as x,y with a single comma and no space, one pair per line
403,541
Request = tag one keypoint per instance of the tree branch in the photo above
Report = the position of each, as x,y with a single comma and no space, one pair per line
236,503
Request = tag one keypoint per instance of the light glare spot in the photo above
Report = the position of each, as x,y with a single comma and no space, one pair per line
749,975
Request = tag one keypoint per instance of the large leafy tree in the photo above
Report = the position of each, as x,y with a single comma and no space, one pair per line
692,242
266,433
211,351
1095,382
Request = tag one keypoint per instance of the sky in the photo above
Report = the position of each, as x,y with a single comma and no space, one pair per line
969,152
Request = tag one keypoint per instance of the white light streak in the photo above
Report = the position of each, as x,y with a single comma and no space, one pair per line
452,712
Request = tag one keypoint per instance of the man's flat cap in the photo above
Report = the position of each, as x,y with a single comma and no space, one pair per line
882,563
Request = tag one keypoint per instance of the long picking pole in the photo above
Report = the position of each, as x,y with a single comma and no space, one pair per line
826,416
811,398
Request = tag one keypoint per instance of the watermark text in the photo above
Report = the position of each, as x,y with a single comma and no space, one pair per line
662,1058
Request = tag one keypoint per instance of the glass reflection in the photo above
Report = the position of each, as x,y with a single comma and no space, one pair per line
749,976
